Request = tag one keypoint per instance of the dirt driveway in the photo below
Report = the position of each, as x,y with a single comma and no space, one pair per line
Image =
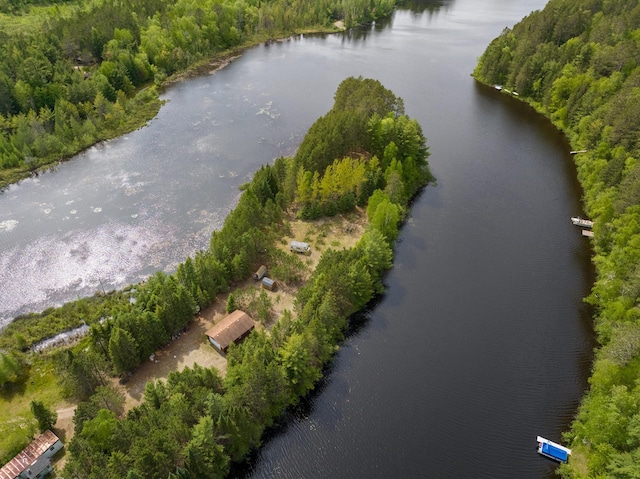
189,348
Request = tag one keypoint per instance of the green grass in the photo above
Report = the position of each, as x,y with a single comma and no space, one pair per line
17,424
33,19
34,327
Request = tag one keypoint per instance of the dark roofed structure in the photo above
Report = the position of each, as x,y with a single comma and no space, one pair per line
231,329
34,460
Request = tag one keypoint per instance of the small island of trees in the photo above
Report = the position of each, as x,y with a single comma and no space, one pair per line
366,154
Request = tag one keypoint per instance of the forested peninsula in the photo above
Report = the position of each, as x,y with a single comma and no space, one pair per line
365,155
578,63
73,73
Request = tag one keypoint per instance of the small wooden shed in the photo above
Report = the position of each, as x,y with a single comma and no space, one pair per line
268,283
232,329
34,462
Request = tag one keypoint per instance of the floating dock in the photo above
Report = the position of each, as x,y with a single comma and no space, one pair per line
587,233
576,220
552,450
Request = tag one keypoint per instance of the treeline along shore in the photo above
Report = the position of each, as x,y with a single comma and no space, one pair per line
364,154
578,63
73,73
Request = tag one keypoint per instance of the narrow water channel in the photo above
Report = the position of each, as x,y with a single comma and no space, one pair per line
481,341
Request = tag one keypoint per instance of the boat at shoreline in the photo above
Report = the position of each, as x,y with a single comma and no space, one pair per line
576,220
553,450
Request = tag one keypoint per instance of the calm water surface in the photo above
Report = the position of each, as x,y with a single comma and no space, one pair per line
481,341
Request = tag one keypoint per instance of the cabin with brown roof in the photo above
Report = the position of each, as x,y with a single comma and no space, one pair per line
34,462
232,329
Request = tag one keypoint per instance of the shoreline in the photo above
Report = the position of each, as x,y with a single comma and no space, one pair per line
209,66
328,236
206,66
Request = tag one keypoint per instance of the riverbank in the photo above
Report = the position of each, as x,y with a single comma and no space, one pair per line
146,104
146,108
138,118
212,65
601,126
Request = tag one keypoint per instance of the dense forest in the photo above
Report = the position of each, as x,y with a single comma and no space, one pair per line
75,73
579,64
196,424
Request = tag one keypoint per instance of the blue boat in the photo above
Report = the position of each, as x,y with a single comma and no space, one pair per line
552,450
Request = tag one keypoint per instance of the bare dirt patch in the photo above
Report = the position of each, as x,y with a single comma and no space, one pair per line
189,348
63,428
337,233
64,424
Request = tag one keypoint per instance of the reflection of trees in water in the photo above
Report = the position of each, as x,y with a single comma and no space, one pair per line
361,33
421,6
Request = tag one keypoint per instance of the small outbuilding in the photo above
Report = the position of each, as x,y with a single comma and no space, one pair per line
300,247
34,462
232,329
268,283
261,273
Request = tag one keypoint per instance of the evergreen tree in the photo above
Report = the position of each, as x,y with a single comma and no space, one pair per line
46,417
123,351
10,368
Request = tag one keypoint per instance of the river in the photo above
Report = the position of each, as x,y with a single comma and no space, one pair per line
481,341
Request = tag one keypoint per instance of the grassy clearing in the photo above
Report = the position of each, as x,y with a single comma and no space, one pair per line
17,424
34,18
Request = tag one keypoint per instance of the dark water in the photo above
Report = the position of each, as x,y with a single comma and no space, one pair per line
481,341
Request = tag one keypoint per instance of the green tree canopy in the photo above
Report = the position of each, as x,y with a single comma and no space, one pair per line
45,416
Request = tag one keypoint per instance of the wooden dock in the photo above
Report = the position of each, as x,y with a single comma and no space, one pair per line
583,223
587,233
